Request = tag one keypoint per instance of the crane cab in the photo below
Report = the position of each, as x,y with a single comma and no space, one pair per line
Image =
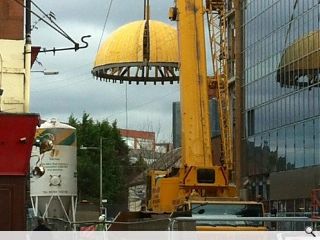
220,215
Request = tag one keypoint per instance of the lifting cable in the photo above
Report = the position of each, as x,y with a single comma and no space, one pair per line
105,24
290,23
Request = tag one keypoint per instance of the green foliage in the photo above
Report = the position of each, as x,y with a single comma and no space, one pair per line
114,161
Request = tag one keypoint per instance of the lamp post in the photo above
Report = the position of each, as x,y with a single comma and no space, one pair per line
104,202
100,201
45,72
100,150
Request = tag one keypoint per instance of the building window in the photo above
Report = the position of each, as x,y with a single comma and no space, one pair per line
299,145
251,121
309,143
282,82
290,148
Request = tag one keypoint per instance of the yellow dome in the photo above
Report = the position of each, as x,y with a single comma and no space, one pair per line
303,54
139,52
302,58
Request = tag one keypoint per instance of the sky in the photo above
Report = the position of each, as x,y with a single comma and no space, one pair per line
74,90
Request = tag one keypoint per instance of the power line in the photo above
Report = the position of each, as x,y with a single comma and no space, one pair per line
145,103
67,69
64,78
69,83
48,16
50,25
115,113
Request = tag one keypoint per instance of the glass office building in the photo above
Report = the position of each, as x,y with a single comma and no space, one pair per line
281,89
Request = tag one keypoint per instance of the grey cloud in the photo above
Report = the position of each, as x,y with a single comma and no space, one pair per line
94,11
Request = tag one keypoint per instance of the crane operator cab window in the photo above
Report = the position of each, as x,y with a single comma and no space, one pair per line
206,175
217,214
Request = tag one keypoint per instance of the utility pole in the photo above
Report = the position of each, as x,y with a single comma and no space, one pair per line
101,205
27,57
100,148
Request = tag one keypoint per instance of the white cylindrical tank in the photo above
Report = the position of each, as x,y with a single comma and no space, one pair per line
54,191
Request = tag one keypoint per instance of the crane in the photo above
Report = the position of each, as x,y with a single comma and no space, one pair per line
199,185
198,175
199,181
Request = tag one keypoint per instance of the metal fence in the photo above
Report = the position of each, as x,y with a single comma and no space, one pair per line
183,224
271,223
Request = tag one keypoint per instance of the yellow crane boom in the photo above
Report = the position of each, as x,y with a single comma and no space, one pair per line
197,162
196,141
197,175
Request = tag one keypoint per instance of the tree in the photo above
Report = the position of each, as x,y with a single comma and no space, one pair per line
140,165
115,160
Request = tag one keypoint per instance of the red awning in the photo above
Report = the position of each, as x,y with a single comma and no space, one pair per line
17,133
34,53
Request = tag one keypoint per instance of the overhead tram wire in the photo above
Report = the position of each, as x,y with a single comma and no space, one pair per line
46,22
66,78
67,73
60,30
79,80
65,70
146,103
105,24
45,14
120,112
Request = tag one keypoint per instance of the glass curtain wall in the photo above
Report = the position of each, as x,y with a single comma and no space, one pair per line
281,84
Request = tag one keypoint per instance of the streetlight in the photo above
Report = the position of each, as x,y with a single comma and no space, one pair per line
100,149
104,202
45,72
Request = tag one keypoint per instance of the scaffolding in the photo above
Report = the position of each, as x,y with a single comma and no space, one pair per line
216,14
